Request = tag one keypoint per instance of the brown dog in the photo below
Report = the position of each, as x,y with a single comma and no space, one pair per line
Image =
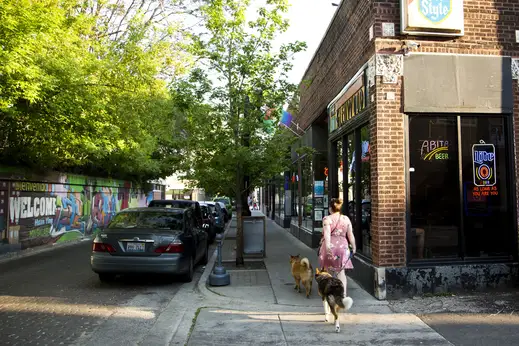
302,273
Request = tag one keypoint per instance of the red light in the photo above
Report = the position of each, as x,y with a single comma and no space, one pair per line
101,247
171,248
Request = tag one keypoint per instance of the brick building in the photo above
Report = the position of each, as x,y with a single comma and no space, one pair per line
412,107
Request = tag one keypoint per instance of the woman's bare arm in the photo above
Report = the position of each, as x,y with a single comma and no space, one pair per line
351,237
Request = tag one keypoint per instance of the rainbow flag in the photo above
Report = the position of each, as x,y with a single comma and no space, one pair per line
286,119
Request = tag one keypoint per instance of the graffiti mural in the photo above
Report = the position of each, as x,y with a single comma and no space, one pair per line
71,208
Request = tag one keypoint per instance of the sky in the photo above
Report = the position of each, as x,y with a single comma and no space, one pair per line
309,20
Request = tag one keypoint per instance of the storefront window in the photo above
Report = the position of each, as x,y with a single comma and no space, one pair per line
434,186
486,218
351,182
365,191
439,226
307,182
340,168
295,194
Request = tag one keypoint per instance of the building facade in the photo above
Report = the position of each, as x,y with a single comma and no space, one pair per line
412,107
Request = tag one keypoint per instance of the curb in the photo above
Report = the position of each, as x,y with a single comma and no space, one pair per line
12,256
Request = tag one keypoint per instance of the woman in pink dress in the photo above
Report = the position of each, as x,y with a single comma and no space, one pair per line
334,253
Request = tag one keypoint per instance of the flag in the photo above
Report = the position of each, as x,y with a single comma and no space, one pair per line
286,119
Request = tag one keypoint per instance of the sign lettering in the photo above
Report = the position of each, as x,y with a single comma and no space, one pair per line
29,207
435,10
434,150
350,103
26,186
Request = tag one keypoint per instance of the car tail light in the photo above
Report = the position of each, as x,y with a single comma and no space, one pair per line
102,247
175,247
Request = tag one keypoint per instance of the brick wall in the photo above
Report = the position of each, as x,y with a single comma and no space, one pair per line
342,52
489,28
388,177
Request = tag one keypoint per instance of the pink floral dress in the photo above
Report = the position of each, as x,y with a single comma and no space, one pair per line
340,259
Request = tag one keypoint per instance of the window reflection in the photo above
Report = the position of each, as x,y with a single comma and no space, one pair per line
365,191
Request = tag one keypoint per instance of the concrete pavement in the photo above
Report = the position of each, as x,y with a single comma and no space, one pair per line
271,312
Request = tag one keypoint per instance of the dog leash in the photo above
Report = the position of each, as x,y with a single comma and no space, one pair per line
334,274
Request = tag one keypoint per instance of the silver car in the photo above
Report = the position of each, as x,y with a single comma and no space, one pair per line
150,240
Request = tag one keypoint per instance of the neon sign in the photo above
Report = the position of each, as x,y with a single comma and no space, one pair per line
484,164
434,149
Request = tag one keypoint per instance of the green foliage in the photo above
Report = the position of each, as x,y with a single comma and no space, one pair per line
83,85
222,104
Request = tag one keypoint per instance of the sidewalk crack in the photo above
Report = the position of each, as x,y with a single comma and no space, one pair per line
282,330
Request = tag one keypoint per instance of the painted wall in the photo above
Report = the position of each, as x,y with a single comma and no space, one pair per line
64,207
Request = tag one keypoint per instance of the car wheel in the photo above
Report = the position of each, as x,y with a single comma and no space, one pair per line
188,277
106,277
205,259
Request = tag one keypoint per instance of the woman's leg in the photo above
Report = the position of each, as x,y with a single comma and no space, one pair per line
342,276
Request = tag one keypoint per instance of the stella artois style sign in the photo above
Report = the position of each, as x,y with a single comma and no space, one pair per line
432,17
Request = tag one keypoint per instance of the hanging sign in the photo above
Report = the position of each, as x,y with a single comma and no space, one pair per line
484,164
349,103
432,17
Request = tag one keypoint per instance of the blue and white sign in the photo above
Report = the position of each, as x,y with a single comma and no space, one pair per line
484,164
435,10
432,17
319,188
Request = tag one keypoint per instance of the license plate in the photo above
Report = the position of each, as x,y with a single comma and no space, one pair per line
135,247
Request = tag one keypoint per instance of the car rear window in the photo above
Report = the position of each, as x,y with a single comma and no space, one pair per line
154,220
166,204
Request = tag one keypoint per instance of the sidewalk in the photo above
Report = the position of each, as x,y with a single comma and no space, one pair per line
260,306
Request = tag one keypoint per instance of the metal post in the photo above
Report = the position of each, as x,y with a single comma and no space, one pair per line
219,276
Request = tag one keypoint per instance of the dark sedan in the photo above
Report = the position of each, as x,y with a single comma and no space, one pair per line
197,212
150,240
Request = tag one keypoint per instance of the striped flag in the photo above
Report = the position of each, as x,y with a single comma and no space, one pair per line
286,119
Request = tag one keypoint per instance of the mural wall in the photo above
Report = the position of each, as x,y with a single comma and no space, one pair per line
37,213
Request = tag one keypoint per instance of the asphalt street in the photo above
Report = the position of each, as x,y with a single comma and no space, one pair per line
54,298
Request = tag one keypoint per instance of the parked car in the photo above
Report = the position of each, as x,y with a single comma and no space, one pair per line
226,213
226,201
208,221
150,240
182,204
219,215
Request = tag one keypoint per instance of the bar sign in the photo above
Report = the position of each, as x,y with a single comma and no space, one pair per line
484,164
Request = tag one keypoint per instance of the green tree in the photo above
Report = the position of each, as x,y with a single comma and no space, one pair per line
84,85
230,150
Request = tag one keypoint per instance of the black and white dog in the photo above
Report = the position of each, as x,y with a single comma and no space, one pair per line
331,291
